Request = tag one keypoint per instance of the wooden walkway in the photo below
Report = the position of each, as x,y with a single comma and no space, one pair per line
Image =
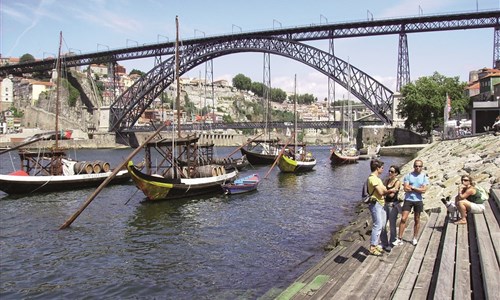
449,262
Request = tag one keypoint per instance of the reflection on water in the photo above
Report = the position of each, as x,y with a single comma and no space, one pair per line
222,247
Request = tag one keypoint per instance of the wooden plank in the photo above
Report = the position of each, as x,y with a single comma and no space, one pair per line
359,257
493,228
423,282
290,291
336,266
446,266
475,268
411,272
462,286
374,281
487,258
320,266
314,285
393,279
495,196
357,279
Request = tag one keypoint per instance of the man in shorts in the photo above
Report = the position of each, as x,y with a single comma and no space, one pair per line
414,185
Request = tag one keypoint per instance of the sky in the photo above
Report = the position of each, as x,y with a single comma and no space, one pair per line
33,26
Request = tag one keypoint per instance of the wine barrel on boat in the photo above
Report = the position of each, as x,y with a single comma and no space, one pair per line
96,167
208,171
83,167
105,167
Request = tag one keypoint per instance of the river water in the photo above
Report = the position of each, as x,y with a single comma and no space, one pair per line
245,246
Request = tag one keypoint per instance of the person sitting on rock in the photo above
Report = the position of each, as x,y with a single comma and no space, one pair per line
468,199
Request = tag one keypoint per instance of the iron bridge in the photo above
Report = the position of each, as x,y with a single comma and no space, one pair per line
287,42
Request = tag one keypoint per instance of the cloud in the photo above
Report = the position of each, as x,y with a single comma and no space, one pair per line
39,13
98,15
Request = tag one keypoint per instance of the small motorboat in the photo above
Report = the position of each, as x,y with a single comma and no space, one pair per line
242,185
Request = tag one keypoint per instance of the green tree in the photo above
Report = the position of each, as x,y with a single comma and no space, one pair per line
227,119
278,95
26,58
135,71
257,88
241,82
423,101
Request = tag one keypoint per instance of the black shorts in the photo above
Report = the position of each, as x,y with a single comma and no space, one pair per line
418,206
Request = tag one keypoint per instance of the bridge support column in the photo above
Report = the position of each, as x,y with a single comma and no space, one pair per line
496,48
403,76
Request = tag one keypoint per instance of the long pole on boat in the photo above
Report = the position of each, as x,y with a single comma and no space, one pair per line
108,179
278,158
248,142
58,83
177,64
295,113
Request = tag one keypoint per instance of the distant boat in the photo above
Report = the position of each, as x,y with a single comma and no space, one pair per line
242,185
295,158
296,163
261,152
346,153
338,157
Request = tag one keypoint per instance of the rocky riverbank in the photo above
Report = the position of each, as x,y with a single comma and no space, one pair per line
444,162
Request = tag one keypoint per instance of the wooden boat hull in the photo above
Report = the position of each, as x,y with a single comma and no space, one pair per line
243,185
258,158
339,159
288,165
159,188
16,185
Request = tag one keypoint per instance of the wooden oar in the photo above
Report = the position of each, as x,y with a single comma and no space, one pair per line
277,158
110,177
248,142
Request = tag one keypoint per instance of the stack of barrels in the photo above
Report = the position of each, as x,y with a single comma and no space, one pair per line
89,167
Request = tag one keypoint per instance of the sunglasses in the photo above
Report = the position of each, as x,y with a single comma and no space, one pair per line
465,180
417,166
392,171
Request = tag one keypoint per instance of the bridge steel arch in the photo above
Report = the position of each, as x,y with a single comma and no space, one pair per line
129,106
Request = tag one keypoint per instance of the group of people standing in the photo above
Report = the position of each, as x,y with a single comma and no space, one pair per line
386,206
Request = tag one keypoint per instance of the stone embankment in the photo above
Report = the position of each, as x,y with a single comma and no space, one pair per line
444,162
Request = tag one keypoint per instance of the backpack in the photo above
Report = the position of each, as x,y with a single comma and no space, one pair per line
365,197
484,193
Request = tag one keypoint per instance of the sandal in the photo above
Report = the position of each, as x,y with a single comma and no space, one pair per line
374,251
460,222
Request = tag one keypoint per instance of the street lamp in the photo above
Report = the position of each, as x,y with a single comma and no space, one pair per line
70,50
232,28
322,17
276,21
136,43
199,31
158,38
102,46
369,15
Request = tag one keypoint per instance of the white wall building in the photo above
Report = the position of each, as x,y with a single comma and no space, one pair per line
6,88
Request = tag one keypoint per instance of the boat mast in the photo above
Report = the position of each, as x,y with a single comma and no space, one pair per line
295,112
349,105
177,64
58,83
